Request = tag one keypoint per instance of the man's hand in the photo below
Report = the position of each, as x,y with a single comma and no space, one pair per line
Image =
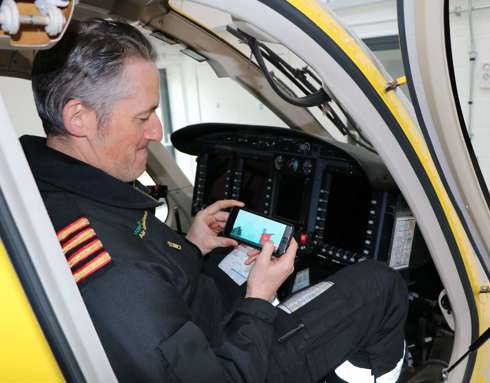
208,223
268,272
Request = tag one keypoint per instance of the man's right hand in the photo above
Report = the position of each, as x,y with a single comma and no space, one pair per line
268,273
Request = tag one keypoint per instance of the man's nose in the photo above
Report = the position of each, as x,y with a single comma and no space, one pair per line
154,131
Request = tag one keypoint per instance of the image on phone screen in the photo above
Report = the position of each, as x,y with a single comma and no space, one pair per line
257,230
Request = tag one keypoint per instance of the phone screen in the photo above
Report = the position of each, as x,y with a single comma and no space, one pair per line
257,230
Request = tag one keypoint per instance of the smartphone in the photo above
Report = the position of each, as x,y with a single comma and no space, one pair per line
255,229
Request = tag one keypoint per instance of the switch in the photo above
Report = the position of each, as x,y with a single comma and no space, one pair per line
303,239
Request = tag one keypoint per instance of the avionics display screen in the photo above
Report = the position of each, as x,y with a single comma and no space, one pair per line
256,230
216,173
255,173
347,212
292,197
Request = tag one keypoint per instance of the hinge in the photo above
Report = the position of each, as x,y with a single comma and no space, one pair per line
392,85
484,289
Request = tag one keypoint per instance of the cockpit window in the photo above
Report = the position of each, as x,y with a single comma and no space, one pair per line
226,27
469,31
276,56
191,92
281,64
19,101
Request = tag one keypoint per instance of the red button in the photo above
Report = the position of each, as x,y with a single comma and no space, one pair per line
303,239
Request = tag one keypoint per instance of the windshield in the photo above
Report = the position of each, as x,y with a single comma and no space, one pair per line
288,70
290,74
470,28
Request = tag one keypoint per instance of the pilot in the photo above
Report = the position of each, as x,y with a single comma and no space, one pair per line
158,316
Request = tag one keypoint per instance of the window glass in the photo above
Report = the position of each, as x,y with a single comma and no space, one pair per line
192,93
146,179
161,212
197,95
470,46
392,62
19,101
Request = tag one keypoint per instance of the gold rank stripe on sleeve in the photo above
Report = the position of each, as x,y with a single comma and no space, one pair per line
98,262
78,239
72,228
85,252
83,249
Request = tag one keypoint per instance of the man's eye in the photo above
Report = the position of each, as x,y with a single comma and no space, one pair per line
144,118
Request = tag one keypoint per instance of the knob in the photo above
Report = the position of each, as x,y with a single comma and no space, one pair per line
293,164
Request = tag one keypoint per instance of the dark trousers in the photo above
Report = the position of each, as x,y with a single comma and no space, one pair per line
361,318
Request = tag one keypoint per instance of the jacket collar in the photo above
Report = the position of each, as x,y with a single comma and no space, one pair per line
53,168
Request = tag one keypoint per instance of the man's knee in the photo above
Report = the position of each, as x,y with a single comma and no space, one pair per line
378,283
376,274
392,287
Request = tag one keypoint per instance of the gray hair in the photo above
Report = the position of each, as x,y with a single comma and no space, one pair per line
86,64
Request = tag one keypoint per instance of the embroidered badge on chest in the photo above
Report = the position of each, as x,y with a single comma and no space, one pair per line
174,245
141,226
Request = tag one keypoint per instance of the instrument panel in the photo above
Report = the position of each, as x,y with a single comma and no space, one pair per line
341,199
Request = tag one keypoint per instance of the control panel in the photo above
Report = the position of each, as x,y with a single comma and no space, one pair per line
340,199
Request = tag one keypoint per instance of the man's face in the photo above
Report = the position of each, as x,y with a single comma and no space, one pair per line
120,144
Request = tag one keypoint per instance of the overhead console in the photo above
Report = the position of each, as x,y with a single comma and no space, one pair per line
341,199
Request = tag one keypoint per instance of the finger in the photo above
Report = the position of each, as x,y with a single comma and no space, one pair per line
216,229
217,226
291,251
250,260
221,216
221,205
214,219
288,257
253,253
209,219
294,244
225,242
264,257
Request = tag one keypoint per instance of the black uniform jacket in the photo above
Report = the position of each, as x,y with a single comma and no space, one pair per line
158,318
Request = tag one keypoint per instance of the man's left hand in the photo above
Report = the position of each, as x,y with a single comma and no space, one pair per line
208,223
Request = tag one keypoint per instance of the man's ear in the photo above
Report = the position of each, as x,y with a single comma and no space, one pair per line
79,120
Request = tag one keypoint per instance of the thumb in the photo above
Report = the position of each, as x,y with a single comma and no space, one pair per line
264,257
